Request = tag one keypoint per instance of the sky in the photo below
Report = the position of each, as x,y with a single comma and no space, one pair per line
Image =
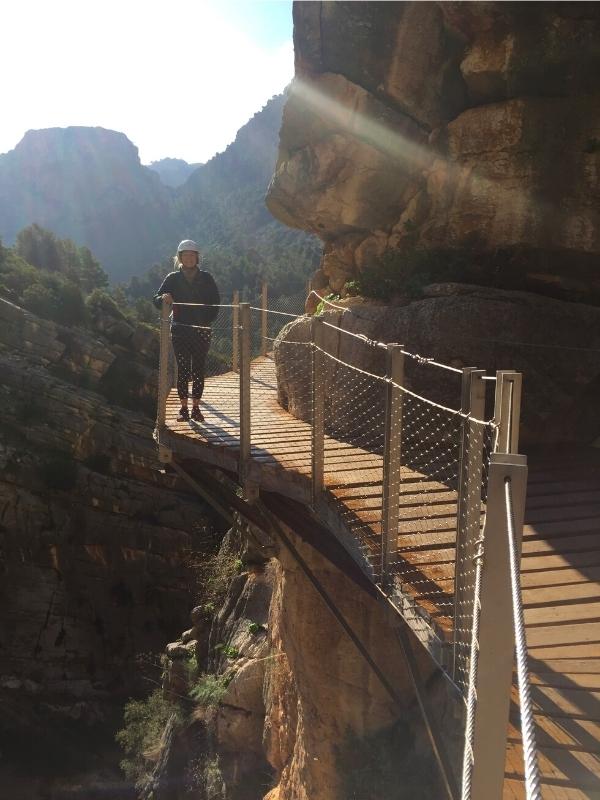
179,78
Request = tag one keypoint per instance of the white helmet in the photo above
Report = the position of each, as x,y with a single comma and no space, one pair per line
188,244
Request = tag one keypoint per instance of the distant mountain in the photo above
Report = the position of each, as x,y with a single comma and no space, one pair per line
89,185
173,171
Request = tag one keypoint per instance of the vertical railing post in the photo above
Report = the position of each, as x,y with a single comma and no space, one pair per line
392,458
245,418
165,382
495,646
318,411
163,365
263,319
468,509
507,410
235,333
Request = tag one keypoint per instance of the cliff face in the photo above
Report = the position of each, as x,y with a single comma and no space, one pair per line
468,127
303,716
94,540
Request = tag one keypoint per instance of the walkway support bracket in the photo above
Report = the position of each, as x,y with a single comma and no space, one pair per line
245,413
496,634
318,411
468,510
392,458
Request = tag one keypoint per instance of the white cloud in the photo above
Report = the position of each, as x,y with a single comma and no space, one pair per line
178,80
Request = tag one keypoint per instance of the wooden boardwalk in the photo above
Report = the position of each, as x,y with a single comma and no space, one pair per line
560,565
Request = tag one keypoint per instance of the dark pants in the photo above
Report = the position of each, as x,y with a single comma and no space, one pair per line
190,346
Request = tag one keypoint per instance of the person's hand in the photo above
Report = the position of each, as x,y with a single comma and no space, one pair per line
167,298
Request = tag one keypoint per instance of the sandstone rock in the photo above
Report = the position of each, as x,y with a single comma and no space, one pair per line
187,636
407,57
240,718
179,650
93,537
515,51
510,179
346,158
494,191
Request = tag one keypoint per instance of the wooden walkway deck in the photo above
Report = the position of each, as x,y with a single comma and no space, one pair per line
560,564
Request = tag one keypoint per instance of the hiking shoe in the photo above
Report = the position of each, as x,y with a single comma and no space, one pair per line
183,415
197,414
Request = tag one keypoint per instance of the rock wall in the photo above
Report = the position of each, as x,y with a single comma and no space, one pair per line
95,543
473,128
303,715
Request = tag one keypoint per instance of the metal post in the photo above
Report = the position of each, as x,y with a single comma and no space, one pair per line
468,508
507,409
245,419
392,458
496,634
318,414
163,366
263,319
235,333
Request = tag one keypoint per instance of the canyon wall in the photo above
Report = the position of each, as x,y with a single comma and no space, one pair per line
470,127
448,156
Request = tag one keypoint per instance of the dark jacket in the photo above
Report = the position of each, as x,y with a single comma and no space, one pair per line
202,289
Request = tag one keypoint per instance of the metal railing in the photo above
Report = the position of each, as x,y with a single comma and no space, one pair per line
427,463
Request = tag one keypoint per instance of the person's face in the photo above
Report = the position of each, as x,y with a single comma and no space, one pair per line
188,258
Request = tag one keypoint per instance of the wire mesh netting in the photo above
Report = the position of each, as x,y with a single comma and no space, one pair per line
267,323
276,436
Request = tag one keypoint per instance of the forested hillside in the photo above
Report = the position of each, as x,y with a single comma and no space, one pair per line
88,185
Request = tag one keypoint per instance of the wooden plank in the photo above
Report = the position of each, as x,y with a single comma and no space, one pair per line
561,651
559,577
562,500
551,595
570,665
564,634
568,768
571,734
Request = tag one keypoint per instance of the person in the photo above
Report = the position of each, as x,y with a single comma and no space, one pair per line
190,324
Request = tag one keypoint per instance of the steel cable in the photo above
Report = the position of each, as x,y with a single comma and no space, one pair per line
467,770
532,774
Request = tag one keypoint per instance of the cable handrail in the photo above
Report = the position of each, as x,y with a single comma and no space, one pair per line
273,311
384,379
423,360
532,773
206,305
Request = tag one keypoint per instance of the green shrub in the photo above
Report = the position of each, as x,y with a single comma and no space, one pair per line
256,627
144,722
209,690
227,650
101,302
322,305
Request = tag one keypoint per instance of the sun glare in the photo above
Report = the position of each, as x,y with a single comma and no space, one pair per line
178,80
